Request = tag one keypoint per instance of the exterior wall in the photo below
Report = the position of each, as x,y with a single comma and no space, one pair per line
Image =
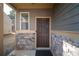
9,39
25,41
7,24
65,40
1,29
33,14
17,20
66,17
65,43
9,43
29,36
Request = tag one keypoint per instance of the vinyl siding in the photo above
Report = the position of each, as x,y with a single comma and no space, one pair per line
33,13
66,17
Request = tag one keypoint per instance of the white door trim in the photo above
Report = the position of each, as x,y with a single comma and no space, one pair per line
49,32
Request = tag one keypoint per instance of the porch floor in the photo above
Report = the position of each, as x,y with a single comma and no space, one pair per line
30,53
23,53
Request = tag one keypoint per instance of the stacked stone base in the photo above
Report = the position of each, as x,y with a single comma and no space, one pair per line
64,45
25,41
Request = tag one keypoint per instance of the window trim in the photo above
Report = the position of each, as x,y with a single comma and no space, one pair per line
28,20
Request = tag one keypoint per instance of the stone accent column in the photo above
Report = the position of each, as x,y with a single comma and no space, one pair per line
1,29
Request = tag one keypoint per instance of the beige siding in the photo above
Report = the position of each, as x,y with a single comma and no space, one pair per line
7,24
33,14
1,29
17,20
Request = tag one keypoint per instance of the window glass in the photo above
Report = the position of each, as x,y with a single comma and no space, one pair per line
24,25
24,17
24,21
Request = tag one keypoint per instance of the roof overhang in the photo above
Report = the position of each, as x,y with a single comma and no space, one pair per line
24,6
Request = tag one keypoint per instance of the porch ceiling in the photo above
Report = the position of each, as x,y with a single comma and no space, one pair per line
23,6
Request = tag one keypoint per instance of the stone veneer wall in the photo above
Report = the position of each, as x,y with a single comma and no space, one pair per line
25,41
65,45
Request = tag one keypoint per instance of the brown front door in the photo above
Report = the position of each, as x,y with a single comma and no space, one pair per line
42,32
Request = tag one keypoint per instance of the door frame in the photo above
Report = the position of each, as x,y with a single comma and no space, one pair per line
49,31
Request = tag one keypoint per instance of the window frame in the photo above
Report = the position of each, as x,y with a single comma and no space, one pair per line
27,21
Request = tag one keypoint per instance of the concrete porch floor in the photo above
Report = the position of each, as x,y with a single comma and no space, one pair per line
45,52
22,53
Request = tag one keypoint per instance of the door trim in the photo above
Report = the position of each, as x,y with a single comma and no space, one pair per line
49,31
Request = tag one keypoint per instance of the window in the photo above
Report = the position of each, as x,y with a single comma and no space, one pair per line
24,20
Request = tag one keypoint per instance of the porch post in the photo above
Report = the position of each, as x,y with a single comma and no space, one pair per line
1,29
